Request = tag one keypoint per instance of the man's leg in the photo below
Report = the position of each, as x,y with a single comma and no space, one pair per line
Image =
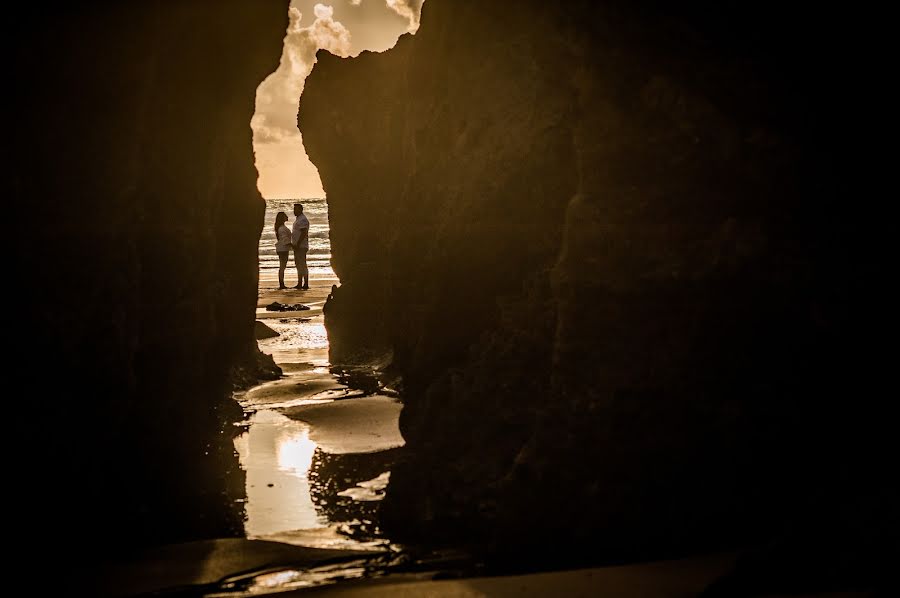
305,278
300,263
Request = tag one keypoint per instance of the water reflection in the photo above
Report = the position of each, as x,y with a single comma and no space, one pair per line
296,491
303,495
333,475
295,453
276,453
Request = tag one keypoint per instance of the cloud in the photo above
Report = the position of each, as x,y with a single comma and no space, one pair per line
410,10
323,12
278,97
324,33
265,131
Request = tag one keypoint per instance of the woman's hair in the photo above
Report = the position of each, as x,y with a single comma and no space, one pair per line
280,218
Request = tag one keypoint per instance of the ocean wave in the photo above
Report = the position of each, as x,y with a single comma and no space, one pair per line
319,255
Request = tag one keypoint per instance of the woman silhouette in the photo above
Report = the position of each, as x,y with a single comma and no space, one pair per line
282,245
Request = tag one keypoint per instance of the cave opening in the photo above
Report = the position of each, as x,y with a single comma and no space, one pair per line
304,484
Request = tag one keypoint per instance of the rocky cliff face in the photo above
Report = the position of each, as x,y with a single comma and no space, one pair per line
136,223
601,244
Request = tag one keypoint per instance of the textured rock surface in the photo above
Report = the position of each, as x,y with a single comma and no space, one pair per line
137,218
602,245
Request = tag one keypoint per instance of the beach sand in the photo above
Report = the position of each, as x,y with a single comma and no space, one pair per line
295,356
360,425
308,392
319,288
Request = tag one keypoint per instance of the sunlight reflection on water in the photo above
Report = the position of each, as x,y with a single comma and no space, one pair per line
295,453
276,453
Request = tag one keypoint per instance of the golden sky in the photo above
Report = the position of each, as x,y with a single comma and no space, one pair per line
344,28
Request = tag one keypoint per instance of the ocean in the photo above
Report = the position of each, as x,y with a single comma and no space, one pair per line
318,259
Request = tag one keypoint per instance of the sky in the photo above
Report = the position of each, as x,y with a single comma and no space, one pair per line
344,28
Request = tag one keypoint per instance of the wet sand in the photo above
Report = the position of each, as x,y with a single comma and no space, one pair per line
685,578
341,422
363,425
308,433
309,392
306,352
207,562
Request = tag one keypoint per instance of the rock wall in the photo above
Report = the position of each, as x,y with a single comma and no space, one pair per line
135,256
604,245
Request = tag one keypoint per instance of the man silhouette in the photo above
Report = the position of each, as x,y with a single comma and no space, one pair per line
300,243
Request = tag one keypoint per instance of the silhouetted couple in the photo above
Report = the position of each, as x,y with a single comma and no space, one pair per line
298,240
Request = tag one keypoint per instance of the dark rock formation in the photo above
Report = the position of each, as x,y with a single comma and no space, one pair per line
252,366
276,306
136,222
604,245
263,332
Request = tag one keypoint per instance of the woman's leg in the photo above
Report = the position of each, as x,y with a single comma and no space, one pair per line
282,259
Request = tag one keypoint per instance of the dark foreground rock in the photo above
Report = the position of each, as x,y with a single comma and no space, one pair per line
607,250
134,185
252,367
